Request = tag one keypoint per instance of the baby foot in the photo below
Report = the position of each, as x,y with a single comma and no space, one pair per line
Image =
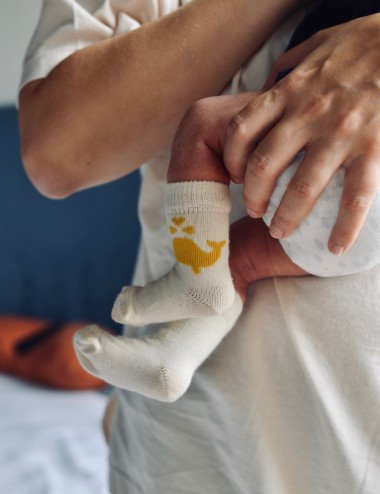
161,366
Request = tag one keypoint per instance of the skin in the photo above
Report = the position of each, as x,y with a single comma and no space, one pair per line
254,255
337,124
64,152
109,144
197,154
110,107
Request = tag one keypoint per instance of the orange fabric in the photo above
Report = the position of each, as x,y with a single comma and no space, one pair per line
28,349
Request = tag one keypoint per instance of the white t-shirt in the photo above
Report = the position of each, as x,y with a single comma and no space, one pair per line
289,402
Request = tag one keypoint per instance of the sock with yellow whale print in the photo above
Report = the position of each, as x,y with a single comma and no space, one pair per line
197,296
199,284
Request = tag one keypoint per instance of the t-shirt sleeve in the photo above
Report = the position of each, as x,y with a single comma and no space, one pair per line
66,26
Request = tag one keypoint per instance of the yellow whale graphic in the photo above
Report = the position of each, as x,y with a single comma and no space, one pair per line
188,252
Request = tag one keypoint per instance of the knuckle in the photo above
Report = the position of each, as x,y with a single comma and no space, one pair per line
238,127
269,99
285,132
348,123
301,190
259,166
284,223
294,79
356,204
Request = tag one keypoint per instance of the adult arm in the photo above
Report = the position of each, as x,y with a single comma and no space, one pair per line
329,105
109,107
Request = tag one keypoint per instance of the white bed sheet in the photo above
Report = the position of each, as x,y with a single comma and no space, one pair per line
51,441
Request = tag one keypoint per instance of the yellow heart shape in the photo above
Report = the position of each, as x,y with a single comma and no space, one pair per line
178,220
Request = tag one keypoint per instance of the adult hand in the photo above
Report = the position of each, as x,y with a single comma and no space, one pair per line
328,106
197,154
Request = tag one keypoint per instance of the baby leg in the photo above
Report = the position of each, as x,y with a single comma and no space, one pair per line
161,366
199,284
197,295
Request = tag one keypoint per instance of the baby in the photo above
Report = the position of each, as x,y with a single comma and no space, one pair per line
202,296
197,299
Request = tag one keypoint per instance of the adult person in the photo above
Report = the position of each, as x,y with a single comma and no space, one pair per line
289,401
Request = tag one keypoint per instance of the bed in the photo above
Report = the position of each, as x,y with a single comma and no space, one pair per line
51,441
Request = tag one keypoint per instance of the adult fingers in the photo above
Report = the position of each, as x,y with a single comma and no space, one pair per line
362,182
248,126
273,155
321,160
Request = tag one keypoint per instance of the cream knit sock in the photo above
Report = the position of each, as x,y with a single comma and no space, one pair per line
161,366
200,283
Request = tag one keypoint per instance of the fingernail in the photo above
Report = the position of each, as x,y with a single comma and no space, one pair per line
336,249
236,180
276,232
253,214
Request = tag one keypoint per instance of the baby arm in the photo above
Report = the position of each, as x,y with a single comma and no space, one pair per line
256,255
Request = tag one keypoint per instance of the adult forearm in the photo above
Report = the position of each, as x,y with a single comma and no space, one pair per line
111,106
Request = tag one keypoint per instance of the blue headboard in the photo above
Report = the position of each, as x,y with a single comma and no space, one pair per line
63,260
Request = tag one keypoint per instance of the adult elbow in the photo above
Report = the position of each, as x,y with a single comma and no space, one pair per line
42,146
47,174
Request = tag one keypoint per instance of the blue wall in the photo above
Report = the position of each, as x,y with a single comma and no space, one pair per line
63,260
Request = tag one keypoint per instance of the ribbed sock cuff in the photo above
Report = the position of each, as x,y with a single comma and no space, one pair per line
196,197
